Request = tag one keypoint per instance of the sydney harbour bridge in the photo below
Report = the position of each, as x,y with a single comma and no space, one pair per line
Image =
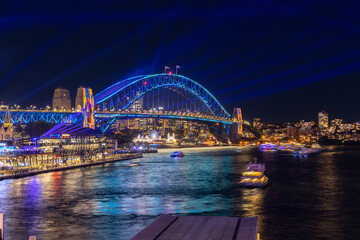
168,96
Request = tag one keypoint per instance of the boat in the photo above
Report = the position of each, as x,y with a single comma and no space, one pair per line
134,165
254,176
177,154
317,148
267,148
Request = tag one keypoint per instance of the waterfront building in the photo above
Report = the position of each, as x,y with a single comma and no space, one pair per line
61,100
323,120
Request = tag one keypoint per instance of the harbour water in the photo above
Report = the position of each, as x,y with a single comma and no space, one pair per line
314,197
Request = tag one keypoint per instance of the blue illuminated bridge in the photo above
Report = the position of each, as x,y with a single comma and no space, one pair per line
156,96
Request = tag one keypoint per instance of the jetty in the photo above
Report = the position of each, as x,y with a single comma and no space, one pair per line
170,227
118,157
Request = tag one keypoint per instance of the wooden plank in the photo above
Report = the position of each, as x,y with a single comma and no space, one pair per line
1,226
171,229
186,227
195,227
247,229
217,228
155,228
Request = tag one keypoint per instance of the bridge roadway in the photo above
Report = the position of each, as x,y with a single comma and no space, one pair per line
25,116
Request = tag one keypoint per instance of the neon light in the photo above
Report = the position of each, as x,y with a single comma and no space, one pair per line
88,108
134,80
239,118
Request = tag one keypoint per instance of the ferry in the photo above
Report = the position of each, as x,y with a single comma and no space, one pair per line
317,148
254,176
177,154
267,148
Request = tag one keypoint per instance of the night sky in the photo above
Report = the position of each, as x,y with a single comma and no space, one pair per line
279,61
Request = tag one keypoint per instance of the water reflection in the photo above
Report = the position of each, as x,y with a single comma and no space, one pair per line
115,202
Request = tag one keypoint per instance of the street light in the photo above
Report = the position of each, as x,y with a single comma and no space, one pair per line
166,68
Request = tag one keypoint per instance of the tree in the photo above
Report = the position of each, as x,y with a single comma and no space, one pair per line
36,129
179,133
126,136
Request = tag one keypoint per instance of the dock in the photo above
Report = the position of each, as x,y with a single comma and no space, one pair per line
56,169
170,227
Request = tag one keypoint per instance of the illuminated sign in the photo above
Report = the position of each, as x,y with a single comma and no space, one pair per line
88,108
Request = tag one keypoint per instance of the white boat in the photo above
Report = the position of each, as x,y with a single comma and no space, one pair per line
254,176
177,154
267,148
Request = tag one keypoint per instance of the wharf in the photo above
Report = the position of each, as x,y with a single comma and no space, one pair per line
26,174
200,228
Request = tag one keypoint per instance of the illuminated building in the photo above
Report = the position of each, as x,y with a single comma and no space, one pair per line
257,123
292,132
305,125
6,130
61,100
137,105
323,120
336,122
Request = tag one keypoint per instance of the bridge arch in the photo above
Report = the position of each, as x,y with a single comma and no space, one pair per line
121,95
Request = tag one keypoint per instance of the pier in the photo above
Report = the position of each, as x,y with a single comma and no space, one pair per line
115,158
200,227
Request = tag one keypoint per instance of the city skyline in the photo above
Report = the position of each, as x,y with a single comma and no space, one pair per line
297,66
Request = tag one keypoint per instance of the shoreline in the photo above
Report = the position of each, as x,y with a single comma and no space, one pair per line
22,175
160,146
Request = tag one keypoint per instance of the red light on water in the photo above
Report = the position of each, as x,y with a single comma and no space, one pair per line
145,83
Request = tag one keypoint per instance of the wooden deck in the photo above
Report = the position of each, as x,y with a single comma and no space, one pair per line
169,227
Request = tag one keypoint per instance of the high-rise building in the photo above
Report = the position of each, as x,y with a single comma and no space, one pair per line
61,100
257,123
323,120
138,104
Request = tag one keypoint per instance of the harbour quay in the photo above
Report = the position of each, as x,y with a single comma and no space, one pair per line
32,156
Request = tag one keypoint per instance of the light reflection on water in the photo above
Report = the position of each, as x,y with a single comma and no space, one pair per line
114,201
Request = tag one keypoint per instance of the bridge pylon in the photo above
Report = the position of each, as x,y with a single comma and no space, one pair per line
236,130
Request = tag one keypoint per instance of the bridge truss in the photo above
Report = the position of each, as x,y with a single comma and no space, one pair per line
147,96
26,116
